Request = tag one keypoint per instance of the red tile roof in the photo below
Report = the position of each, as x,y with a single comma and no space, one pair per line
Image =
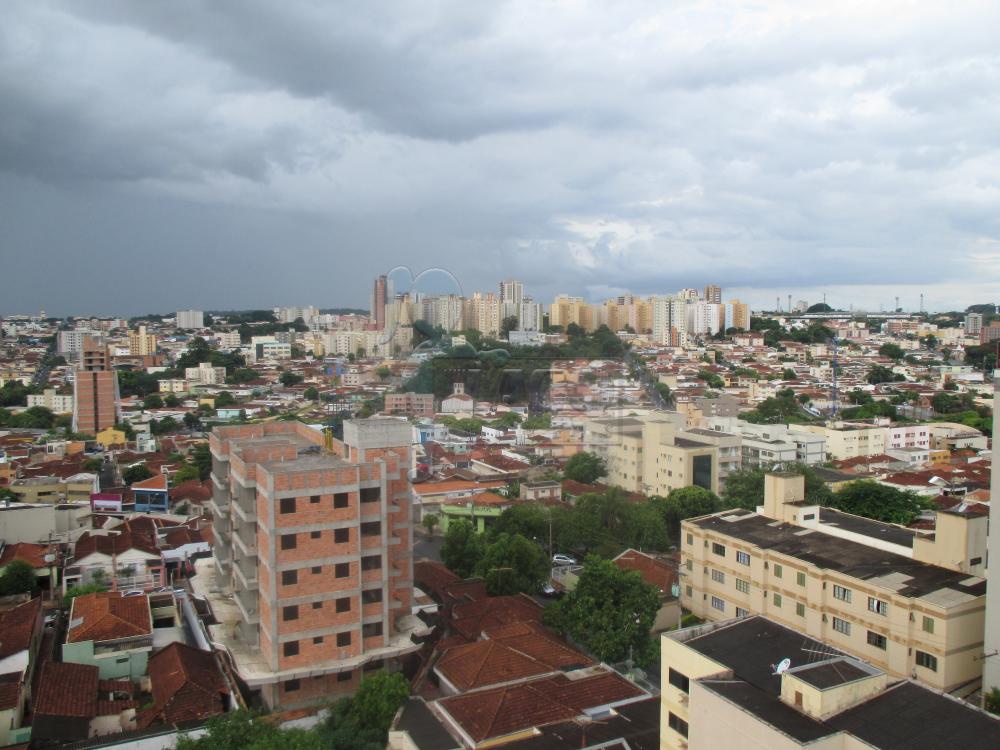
66,689
157,482
432,577
496,712
653,571
17,627
107,616
113,544
471,618
33,554
186,685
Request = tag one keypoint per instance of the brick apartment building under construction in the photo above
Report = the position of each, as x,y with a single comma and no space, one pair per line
311,577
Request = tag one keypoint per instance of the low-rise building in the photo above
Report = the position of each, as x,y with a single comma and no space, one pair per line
50,399
112,632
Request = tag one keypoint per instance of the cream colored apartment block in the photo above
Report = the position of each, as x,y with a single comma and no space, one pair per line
848,439
899,613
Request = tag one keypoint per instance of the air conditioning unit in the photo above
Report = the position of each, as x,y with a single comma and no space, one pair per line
824,617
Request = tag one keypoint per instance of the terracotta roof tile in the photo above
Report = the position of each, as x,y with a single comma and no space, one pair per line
33,554
653,571
66,689
186,684
17,627
106,616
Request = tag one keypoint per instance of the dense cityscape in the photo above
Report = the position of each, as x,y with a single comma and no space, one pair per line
486,500
499,376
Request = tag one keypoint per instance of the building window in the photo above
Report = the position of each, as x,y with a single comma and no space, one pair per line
291,686
927,661
371,596
371,494
288,541
371,528
740,612
341,500
291,648
743,586
877,640
372,562
371,630
315,534
290,613
841,626
718,604
287,505
317,605
718,576
777,570
344,604
800,578
687,591
317,639
689,564
341,536
678,680
777,600
928,624
343,639
808,516
743,558
800,609
839,592
341,570
314,499
344,676
678,724
719,549
878,606
316,569
690,539
976,561
289,577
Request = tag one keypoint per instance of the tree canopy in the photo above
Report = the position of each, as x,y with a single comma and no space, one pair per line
744,488
18,577
683,503
608,611
512,564
873,500
462,549
585,467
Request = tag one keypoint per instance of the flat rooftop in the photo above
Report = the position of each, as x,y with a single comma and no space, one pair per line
886,532
897,573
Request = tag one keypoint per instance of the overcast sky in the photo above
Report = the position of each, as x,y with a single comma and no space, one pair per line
156,155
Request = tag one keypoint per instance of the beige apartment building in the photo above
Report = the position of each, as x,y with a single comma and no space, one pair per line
140,343
847,439
755,684
910,605
652,454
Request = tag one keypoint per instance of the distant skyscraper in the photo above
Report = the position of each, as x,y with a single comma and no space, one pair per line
511,291
378,302
713,294
95,390
973,324
190,319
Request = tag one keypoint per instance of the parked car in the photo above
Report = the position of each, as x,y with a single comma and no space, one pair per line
134,592
561,559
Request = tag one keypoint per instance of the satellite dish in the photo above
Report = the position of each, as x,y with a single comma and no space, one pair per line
783,666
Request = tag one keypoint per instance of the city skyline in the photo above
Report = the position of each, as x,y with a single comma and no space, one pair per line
804,148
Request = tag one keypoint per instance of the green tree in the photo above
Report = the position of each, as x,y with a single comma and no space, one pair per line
136,473
665,393
530,520
191,421
171,401
891,350
585,467
513,564
609,611
507,420
88,588
538,422
152,401
880,374
137,383
991,701
788,374
711,379
683,503
510,323
288,379
378,698
462,549
185,474
310,394
430,522
242,375
224,399
18,578
201,457
745,487
241,730
873,500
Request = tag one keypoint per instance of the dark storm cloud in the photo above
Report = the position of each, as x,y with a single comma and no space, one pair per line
220,154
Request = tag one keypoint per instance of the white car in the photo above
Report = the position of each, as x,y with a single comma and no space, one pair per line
560,559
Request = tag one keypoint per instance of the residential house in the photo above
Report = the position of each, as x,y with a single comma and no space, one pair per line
112,632
21,629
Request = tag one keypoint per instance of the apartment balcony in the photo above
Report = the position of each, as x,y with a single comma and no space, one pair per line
245,570
246,603
246,508
247,544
